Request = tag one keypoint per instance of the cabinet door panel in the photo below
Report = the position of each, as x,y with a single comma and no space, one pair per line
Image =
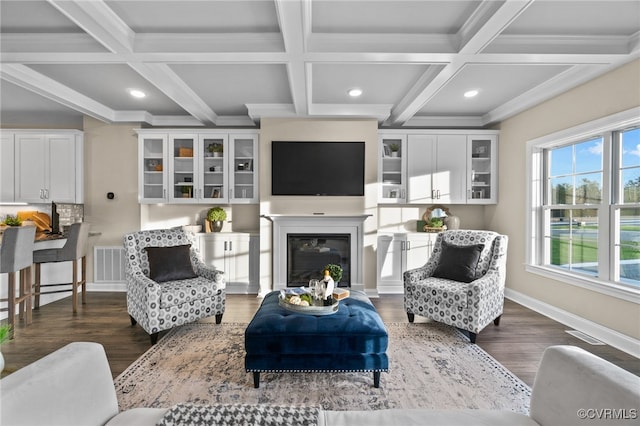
62,160
450,178
390,262
32,168
420,168
419,247
7,168
238,259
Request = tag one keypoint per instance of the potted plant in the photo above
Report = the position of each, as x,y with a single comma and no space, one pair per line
335,271
5,334
10,220
216,217
216,149
394,147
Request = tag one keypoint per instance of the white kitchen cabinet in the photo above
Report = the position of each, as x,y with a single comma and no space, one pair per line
231,252
49,167
399,252
205,167
7,168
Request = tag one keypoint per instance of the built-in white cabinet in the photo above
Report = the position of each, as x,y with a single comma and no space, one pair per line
437,166
399,252
45,166
232,252
7,168
203,167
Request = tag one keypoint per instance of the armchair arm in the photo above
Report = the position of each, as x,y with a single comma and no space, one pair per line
213,274
139,284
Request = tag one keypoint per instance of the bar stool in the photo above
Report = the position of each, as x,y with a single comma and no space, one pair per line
16,255
73,250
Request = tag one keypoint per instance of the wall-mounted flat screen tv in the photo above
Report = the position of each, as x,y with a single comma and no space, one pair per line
317,168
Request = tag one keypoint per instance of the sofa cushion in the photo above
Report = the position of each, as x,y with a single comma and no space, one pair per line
170,263
458,263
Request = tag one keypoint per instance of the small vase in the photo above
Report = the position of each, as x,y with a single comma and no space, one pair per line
452,222
216,225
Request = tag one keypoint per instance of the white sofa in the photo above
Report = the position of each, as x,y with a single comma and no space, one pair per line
73,386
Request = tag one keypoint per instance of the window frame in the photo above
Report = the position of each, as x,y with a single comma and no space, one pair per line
536,188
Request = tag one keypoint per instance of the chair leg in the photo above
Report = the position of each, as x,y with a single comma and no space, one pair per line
154,338
36,288
218,318
21,298
27,293
84,279
133,321
497,320
74,286
11,299
410,316
472,337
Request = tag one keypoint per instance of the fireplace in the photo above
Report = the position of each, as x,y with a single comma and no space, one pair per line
303,245
307,255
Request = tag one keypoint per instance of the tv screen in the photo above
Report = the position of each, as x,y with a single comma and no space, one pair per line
317,168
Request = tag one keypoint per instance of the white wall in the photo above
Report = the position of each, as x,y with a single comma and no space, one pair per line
614,92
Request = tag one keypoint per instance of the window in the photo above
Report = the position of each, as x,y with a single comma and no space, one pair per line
584,196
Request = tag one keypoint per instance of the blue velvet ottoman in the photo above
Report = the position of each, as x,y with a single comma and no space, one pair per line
352,339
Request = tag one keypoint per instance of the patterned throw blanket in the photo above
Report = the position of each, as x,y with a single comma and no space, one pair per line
239,414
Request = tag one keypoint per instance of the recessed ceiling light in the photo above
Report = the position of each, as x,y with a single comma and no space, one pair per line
355,92
470,93
137,93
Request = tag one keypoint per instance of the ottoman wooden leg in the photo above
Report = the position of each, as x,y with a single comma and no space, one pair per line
376,379
256,379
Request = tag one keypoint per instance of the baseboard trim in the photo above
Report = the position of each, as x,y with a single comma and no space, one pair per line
610,337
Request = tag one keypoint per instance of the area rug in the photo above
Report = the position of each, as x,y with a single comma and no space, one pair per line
431,365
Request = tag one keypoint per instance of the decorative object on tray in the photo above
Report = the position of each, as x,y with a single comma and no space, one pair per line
215,219
301,300
438,218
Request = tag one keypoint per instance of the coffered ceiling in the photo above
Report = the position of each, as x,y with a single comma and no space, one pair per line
230,63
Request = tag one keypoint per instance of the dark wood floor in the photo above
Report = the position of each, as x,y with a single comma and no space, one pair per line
517,343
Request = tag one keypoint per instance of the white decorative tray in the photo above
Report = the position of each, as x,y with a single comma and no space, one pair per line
309,310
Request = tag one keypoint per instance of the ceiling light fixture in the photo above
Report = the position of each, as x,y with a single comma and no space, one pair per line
137,93
355,92
470,93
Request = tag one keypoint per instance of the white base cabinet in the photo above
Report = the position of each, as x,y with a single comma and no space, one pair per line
399,252
235,254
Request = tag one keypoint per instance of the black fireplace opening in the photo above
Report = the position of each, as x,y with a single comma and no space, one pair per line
307,255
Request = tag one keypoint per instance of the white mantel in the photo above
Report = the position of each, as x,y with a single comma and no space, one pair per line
317,224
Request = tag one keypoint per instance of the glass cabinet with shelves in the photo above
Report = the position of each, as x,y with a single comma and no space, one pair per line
153,181
244,178
214,153
183,171
481,173
392,168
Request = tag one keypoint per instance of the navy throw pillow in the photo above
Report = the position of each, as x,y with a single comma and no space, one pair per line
458,263
170,263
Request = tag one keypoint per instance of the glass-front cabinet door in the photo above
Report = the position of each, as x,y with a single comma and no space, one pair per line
481,169
244,173
183,169
392,169
153,176
214,177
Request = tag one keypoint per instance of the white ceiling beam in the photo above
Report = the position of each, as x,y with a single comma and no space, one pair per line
290,17
27,78
485,24
99,21
165,79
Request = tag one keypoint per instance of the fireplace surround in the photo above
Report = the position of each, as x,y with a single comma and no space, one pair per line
319,227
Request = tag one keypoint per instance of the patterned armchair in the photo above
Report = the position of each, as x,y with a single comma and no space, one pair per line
471,305
162,291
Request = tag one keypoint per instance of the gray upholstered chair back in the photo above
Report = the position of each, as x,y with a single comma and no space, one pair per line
16,252
76,245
